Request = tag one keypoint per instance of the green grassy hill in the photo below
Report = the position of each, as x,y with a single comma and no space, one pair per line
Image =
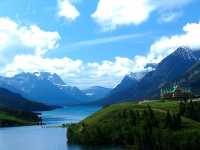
10,118
165,125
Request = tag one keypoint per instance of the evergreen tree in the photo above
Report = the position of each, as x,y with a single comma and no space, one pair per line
168,120
182,108
176,121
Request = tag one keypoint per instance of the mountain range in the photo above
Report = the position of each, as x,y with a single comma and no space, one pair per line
49,88
169,70
182,66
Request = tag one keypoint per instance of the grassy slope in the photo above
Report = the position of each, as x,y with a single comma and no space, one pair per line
157,106
8,117
107,119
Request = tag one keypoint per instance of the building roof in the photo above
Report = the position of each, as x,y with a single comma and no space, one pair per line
173,89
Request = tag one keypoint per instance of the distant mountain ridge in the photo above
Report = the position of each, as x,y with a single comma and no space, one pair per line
43,87
49,88
169,69
96,92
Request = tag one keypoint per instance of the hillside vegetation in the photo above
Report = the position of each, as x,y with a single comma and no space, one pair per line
12,117
160,125
12,100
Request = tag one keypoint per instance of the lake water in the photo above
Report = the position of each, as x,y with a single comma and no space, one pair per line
48,137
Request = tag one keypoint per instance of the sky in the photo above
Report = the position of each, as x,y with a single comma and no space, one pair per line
93,42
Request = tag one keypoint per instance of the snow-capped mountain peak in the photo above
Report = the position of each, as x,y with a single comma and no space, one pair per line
185,52
137,75
52,77
44,87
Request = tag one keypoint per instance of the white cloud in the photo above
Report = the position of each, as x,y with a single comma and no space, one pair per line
40,40
111,14
32,37
34,63
118,68
7,24
165,45
67,10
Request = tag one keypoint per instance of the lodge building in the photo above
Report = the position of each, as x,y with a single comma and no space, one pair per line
176,92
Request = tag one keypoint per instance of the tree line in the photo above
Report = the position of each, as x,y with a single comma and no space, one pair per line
145,129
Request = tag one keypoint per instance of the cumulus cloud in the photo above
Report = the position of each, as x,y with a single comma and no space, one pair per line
32,37
119,67
165,45
67,10
111,14
40,40
34,63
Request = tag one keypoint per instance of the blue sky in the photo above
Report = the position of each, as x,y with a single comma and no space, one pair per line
93,42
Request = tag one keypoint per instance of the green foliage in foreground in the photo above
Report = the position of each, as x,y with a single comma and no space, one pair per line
10,117
156,125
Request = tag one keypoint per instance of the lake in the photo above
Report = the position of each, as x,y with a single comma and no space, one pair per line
47,137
